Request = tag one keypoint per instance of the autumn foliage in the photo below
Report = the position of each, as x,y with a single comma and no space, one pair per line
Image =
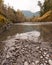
9,14
45,18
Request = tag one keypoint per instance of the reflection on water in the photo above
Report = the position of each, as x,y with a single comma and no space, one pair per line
17,29
45,30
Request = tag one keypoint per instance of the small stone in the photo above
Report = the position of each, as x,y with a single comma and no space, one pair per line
41,56
26,63
33,63
46,58
37,47
7,56
41,64
39,51
43,59
50,62
44,63
26,45
18,47
12,48
14,63
45,49
37,61
45,53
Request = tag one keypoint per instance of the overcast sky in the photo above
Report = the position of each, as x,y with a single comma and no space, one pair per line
24,4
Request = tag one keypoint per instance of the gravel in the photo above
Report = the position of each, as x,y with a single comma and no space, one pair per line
26,52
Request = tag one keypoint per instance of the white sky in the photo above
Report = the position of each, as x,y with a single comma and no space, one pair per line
24,4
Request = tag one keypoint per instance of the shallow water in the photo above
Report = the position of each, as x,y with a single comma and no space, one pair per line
45,31
43,28
31,31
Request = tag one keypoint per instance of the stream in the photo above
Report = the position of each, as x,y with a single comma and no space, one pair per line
37,36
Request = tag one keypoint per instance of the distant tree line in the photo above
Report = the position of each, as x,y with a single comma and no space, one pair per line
11,14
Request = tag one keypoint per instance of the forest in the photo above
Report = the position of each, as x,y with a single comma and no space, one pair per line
9,15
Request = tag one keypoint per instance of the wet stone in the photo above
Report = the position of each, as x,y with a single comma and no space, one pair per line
14,63
50,62
25,52
37,61
44,63
26,63
41,56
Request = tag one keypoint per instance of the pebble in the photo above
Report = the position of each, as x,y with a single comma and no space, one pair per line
11,48
33,63
37,61
27,53
46,58
7,56
50,62
41,56
26,63
14,63
41,64
37,47
45,53
41,49
44,63
40,52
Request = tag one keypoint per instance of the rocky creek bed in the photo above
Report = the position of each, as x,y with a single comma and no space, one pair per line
25,52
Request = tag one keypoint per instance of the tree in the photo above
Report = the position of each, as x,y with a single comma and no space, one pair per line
1,1
47,5
20,16
41,7
10,14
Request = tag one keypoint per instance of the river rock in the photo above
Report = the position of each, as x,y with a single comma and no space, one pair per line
37,61
32,63
26,63
25,52
50,62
